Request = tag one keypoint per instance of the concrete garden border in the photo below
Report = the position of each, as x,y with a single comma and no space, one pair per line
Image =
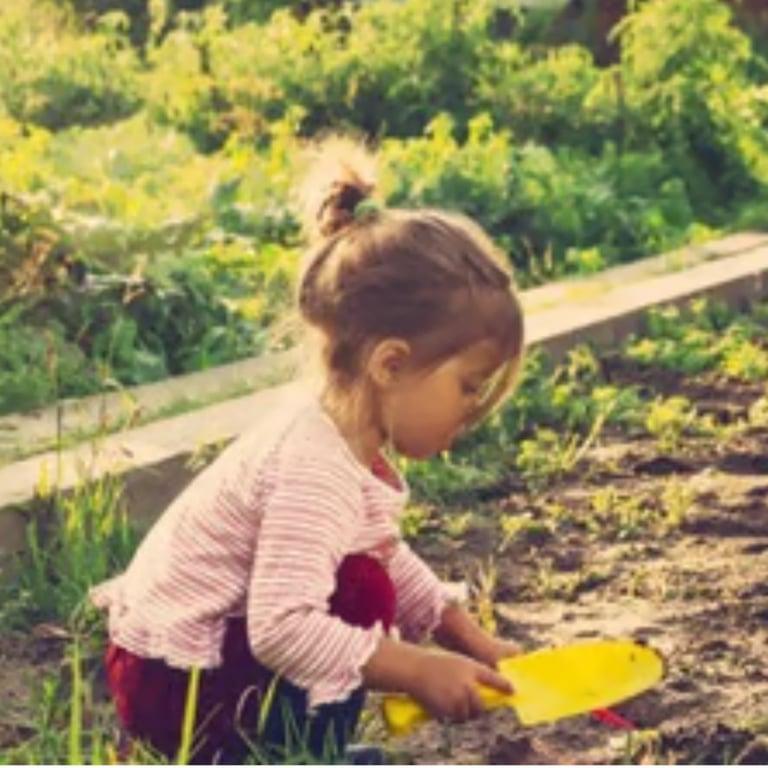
154,459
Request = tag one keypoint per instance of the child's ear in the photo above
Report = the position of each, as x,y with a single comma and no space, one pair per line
388,360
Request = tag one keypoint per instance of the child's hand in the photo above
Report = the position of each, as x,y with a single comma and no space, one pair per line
447,685
499,649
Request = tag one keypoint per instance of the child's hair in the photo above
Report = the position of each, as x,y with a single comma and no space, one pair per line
431,277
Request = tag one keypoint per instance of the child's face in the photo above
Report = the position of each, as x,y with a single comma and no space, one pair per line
426,412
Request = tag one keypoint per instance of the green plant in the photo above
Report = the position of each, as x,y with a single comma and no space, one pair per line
685,70
573,395
190,713
457,525
84,538
745,360
67,725
413,520
437,169
614,514
55,78
546,456
482,588
455,474
212,78
677,499
161,240
70,725
542,97
704,336
669,420
35,367
550,585
620,516
522,527
549,455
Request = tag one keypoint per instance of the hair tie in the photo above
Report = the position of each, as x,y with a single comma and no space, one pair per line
367,207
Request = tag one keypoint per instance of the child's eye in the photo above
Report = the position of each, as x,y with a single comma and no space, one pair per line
470,390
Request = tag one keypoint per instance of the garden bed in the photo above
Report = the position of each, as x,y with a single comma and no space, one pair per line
648,518
682,564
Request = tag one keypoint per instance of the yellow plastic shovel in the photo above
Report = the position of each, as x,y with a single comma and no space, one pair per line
553,683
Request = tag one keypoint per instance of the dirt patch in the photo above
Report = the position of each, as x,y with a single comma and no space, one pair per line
662,465
714,745
745,464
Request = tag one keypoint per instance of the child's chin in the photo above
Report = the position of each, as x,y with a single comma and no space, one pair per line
428,453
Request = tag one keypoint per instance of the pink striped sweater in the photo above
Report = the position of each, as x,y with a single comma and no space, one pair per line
260,533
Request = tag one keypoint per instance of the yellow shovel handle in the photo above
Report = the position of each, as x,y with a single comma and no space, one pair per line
402,713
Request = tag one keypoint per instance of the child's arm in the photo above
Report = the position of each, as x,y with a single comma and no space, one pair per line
460,632
422,610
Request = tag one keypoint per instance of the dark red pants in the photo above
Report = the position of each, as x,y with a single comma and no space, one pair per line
150,696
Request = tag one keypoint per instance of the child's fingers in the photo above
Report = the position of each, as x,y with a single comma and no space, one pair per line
491,677
476,705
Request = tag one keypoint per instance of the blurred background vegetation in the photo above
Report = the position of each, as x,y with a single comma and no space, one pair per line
147,152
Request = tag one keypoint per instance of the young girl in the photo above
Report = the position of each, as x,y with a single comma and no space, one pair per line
280,571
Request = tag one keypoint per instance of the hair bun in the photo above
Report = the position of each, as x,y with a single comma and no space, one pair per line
341,175
337,209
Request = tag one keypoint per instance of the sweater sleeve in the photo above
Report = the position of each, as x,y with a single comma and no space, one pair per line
421,596
309,520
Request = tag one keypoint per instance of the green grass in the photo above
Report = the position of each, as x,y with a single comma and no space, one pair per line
74,541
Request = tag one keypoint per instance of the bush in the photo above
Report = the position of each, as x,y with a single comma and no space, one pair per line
554,212
545,98
685,70
54,78
241,79
180,217
436,169
36,368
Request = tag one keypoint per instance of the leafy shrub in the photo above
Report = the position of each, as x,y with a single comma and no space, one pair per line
668,419
436,169
570,167
585,212
686,78
625,204
241,79
35,367
55,78
545,97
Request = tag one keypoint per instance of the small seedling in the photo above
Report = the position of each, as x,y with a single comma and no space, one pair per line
758,413
668,420
514,527
677,498
413,520
457,525
481,590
